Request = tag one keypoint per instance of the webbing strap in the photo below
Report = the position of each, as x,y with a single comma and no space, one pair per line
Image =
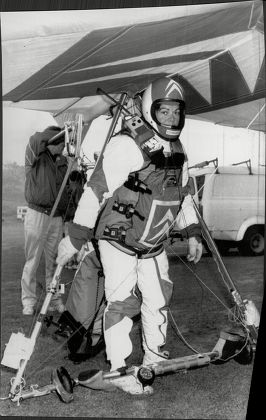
141,254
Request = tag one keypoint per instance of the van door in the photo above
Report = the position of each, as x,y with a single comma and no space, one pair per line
234,198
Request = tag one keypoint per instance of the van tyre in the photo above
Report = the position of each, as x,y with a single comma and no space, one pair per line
253,242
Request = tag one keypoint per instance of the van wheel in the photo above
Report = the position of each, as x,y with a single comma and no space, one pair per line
253,242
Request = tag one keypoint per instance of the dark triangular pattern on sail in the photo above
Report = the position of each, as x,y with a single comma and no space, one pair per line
112,70
88,45
227,81
260,83
108,45
194,100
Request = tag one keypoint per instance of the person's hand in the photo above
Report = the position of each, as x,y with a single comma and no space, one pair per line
85,250
194,250
80,254
65,251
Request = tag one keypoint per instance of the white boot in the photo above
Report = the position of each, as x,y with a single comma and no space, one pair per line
151,358
131,384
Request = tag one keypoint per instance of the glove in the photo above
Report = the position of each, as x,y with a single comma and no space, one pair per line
194,250
81,253
86,249
65,251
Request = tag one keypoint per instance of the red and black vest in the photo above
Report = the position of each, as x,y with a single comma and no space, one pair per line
141,213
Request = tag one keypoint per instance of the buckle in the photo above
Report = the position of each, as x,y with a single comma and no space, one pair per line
118,234
126,209
133,183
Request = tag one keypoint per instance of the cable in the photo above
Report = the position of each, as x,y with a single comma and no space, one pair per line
150,250
180,335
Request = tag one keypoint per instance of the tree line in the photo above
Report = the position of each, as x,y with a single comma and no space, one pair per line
13,181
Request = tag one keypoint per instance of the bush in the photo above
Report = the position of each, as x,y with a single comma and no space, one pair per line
12,188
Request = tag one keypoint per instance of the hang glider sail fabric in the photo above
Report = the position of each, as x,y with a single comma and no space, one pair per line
216,51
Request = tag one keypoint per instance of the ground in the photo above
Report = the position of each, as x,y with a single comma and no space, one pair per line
198,310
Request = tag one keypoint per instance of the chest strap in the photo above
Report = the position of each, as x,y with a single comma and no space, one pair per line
116,233
133,183
127,209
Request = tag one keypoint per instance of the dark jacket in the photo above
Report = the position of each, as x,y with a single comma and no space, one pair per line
44,174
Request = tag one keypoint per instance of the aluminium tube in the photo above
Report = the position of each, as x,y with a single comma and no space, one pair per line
36,330
231,286
112,126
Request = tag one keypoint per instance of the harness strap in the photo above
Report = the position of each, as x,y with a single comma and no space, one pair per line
127,209
139,253
135,184
115,233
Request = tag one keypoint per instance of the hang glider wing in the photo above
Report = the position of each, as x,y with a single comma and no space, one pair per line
54,61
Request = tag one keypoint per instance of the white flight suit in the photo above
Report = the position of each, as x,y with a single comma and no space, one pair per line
123,271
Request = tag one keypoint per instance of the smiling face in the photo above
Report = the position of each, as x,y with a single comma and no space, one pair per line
163,107
168,114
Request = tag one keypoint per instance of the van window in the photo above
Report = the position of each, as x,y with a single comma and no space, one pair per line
228,185
200,180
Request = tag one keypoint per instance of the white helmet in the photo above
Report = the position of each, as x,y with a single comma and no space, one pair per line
163,90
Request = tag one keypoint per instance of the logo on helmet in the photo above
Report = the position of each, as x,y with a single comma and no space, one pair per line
171,87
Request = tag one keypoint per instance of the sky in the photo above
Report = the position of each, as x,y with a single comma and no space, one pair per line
202,140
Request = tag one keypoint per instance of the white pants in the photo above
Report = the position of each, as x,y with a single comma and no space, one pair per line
122,273
41,235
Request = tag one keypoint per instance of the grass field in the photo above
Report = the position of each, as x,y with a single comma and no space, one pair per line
212,392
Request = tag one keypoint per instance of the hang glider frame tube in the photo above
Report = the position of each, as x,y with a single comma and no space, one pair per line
226,276
31,341
17,380
54,285
229,346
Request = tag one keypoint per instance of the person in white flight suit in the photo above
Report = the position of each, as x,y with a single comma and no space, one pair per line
138,194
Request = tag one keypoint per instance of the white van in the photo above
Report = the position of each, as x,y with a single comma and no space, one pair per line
232,203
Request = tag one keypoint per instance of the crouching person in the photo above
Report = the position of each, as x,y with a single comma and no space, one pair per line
130,204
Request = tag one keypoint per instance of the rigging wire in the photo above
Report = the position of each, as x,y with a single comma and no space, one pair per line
149,252
211,291
195,274
236,318
71,162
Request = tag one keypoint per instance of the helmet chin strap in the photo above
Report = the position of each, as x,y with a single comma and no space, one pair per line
157,134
